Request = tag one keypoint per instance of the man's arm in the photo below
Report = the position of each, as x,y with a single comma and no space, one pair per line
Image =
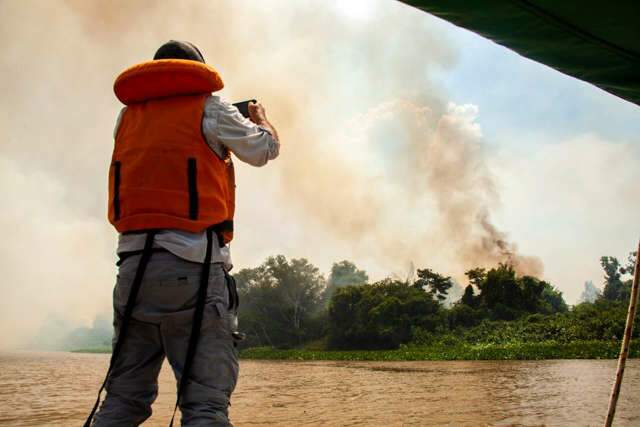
225,128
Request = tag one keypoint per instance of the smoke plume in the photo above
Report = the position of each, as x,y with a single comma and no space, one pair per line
409,182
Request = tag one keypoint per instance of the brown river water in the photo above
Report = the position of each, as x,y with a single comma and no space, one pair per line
58,389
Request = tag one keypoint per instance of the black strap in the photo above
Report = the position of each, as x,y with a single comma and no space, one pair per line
221,227
116,190
197,322
192,177
131,302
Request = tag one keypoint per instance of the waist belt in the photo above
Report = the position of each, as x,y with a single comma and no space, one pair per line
128,254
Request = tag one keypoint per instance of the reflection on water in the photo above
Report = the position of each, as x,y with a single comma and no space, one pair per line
59,388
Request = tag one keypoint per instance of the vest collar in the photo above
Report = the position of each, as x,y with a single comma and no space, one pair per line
164,78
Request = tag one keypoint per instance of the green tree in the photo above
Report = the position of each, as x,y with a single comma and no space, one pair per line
380,315
631,264
344,273
553,300
280,300
508,296
259,304
435,284
499,292
532,294
468,298
476,277
613,286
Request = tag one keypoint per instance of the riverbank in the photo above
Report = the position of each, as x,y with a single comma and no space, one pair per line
518,351
515,351
97,350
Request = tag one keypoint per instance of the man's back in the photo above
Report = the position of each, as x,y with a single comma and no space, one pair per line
172,198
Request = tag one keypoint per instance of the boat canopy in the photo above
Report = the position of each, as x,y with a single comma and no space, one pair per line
594,41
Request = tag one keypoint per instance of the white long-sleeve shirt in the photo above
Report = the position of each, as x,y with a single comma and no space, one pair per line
224,128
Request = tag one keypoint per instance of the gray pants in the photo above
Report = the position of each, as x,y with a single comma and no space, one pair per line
160,326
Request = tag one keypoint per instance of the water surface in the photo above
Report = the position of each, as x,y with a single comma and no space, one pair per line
38,389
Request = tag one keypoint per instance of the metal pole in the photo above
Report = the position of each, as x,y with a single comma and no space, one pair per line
626,341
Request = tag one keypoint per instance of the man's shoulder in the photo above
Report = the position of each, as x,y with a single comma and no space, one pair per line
218,108
217,102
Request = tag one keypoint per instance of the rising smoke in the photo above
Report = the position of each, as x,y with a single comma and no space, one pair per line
374,156
410,182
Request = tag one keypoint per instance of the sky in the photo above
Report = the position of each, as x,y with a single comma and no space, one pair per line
406,142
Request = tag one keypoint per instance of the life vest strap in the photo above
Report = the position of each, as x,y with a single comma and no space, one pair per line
131,302
221,228
197,322
192,176
116,190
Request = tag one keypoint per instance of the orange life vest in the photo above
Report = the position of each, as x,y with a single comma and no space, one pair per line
163,173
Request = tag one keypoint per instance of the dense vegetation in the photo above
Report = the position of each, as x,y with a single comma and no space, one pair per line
287,304
290,311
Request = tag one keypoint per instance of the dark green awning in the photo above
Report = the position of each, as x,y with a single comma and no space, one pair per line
598,42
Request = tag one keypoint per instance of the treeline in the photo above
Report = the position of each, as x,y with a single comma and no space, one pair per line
290,304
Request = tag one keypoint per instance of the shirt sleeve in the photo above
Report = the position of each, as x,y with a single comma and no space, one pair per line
223,125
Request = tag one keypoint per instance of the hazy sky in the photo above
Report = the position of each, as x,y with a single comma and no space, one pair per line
405,140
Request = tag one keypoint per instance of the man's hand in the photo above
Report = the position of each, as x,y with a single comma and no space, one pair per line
258,115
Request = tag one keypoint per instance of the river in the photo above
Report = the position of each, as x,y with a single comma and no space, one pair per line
38,389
